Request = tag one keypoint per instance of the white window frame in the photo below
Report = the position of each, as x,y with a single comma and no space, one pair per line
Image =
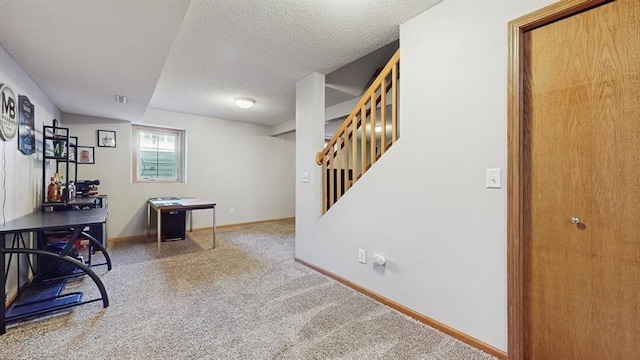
180,152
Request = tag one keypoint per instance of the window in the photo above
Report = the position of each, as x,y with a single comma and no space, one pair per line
158,154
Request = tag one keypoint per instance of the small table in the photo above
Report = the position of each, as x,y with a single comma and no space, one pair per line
163,204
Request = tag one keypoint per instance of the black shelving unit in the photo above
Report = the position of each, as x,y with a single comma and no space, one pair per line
65,163
61,147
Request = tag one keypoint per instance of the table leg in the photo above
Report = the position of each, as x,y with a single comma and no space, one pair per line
190,220
159,235
148,218
75,234
214,227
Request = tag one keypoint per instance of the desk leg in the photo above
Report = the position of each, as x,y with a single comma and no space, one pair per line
148,218
72,240
159,221
190,220
214,227
3,327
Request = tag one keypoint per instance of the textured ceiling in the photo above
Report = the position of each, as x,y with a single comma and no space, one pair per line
82,53
194,60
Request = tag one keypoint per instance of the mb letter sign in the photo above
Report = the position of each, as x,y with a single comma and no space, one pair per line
8,118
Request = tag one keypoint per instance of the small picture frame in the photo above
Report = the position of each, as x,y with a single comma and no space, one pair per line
106,138
85,155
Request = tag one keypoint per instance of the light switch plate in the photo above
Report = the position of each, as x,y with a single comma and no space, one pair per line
494,179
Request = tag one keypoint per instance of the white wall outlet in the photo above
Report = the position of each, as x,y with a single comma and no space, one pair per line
232,211
494,178
362,256
305,176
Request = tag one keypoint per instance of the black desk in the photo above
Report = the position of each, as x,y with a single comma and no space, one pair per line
44,221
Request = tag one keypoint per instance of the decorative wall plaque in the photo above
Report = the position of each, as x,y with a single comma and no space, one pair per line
26,127
8,115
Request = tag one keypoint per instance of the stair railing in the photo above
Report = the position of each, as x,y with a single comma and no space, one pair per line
368,132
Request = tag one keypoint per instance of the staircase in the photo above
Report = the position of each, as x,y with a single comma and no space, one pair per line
368,132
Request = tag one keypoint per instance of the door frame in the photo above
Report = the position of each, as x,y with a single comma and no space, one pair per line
516,154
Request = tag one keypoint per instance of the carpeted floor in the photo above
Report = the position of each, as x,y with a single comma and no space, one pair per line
247,299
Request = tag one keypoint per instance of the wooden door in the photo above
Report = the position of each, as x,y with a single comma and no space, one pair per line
581,185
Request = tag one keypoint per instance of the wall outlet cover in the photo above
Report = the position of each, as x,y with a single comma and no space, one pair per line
362,256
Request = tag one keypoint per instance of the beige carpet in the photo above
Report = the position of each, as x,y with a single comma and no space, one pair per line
247,299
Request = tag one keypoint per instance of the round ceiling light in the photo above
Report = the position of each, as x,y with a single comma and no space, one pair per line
244,102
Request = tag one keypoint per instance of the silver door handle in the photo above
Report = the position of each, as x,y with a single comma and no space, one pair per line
575,220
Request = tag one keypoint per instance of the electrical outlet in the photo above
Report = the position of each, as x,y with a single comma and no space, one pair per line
232,211
362,256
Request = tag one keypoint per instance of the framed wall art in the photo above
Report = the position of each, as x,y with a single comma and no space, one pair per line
106,138
85,155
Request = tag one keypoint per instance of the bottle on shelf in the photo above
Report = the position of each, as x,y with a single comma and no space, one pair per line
58,178
64,193
72,190
52,191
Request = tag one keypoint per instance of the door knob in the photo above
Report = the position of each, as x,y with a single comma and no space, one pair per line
575,220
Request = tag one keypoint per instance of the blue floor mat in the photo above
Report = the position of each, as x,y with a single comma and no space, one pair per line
37,291
40,297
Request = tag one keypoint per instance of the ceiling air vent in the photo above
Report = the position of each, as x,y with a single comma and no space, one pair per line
121,99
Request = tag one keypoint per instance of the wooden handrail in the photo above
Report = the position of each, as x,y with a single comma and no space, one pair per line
350,133
363,100
355,147
359,121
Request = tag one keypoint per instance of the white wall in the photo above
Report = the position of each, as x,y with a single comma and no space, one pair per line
309,139
22,175
23,178
236,165
283,127
424,205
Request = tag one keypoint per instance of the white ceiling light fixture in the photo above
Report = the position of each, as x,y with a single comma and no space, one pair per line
245,102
